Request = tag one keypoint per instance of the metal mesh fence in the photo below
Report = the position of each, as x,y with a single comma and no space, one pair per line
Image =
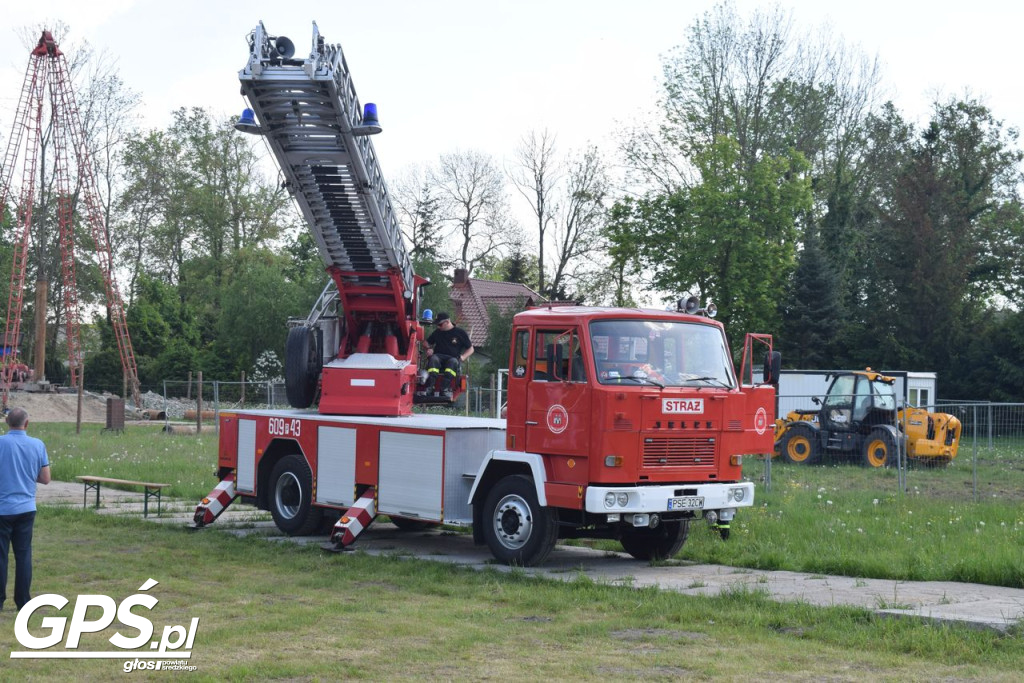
180,400
988,464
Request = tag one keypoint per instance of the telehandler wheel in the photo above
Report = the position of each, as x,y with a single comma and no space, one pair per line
517,529
800,445
659,543
302,366
291,497
879,449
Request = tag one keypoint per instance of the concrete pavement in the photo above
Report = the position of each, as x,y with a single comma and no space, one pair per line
976,605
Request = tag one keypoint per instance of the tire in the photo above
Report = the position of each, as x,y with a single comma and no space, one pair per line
302,365
405,524
799,445
879,449
516,528
291,497
659,543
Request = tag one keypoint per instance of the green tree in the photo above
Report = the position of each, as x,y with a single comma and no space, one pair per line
772,89
256,305
176,361
437,295
731,238
499,335
810,311
156,319
519,267
103,369
419,212
947,218
993,354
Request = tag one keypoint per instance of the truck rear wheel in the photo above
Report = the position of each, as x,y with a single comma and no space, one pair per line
291,497
517,529
659,543
879,449
800,445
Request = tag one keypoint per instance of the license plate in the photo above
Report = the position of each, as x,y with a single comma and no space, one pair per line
686,503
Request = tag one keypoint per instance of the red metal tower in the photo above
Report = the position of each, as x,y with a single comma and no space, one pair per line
47,79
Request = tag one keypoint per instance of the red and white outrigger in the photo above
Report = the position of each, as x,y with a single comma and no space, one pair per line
621,423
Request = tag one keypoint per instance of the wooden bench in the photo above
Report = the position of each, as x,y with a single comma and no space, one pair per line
150,490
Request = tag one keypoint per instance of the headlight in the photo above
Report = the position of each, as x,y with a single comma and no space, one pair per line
622,499
609,499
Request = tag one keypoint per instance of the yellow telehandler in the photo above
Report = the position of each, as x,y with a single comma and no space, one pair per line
859,418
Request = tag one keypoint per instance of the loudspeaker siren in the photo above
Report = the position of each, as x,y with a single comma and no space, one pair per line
284,47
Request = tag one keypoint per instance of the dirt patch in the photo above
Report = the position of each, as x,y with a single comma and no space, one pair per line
45,407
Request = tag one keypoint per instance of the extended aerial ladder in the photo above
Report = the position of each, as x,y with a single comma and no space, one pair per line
358,346
75,191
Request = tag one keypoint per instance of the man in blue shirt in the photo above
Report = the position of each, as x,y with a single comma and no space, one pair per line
23,462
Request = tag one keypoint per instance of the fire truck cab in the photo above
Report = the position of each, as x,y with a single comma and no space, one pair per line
633,423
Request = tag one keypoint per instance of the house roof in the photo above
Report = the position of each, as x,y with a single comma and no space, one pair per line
472,297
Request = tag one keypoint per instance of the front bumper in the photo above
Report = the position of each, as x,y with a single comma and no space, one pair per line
655,498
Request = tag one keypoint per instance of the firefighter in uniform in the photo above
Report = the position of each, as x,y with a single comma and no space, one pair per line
447,348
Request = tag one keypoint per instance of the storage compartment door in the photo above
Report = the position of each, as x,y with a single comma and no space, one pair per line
411,475
335,466
246,472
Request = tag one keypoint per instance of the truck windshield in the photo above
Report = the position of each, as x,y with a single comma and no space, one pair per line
661,352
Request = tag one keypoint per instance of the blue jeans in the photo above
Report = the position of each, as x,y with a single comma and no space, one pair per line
16,530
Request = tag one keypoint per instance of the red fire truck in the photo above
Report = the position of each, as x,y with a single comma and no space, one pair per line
621,423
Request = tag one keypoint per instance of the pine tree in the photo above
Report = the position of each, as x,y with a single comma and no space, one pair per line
811,314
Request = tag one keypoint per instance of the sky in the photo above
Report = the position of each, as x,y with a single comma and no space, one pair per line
459,75
453,75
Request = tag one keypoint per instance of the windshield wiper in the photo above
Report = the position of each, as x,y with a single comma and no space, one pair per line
708,379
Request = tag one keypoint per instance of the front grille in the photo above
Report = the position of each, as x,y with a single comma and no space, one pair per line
679,452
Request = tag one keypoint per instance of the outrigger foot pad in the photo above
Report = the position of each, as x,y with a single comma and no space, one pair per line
332,547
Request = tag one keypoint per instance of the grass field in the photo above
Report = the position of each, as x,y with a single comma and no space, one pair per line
272,611
840,519
288,612
185,461
845,519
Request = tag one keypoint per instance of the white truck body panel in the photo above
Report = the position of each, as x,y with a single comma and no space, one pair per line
336,470
246,481
427,464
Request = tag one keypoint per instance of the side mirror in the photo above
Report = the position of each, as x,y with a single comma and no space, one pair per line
772,367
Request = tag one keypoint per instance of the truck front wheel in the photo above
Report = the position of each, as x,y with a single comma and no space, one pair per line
659,543
291,497
517,529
